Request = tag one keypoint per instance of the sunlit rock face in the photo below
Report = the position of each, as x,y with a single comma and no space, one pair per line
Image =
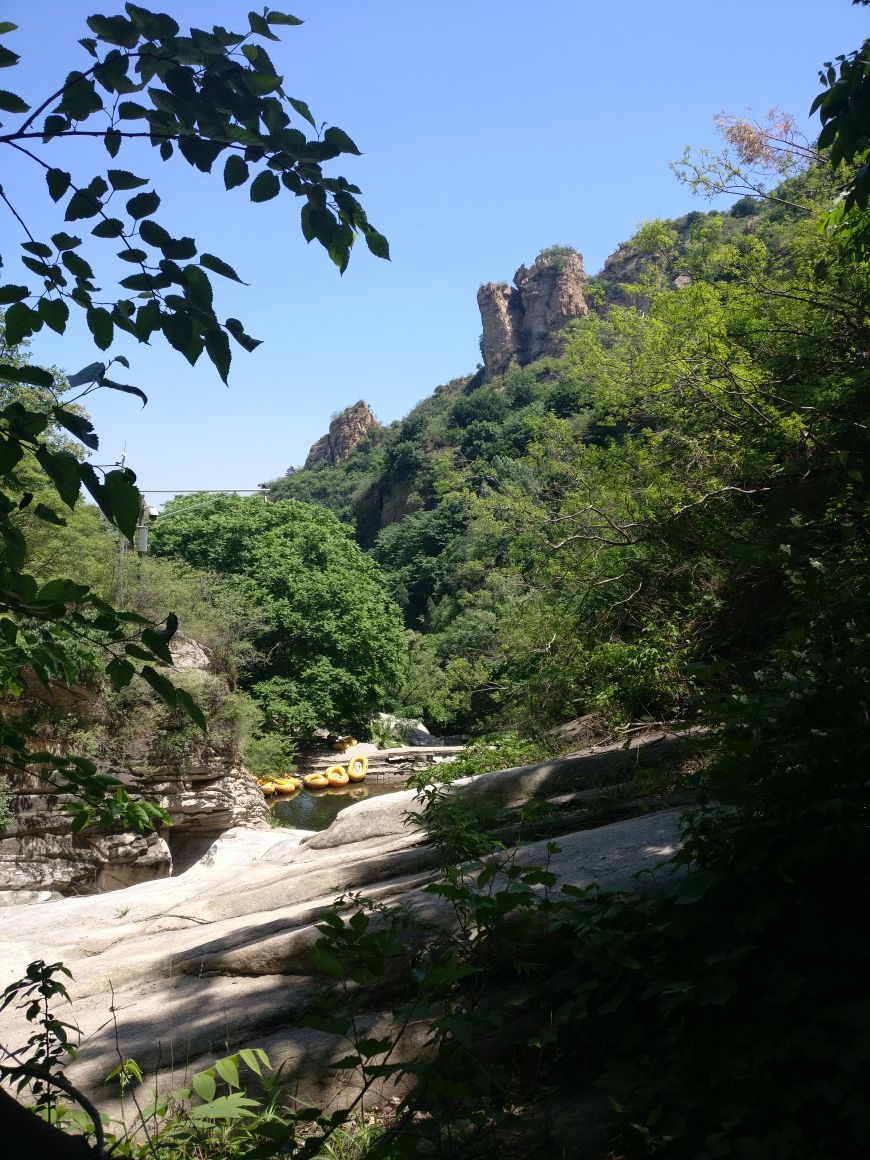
501,315
521,323
204,787
347,429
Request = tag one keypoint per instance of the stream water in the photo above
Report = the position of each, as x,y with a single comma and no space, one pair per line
307,810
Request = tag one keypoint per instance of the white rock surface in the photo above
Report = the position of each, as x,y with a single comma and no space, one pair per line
177,972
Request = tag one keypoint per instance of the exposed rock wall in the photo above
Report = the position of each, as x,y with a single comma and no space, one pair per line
347,429
40,859
521,323
501,315
204,789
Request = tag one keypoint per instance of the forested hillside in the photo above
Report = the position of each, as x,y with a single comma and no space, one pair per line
620,529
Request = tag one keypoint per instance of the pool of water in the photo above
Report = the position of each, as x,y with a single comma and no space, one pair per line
307,810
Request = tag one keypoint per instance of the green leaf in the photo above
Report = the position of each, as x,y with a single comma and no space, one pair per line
35,376
54,125
76,265
63,469
281,18
143,205
49,515
259,25
198,288
131,111
20,323
235,171
161,685
39,248
112,141
340,141
265,186
228,1070
11,452
211,262
123,179
77,425
101,326
158,645
377,243
217,346
12,103
82,204
120,672
110,228
204,1085
7,26
186,702
250,1059
80,98
8,57
154,234
12,293
58,182
65,241
180,248
238,332
178,330
302,109
62,591
125,389
234,1106
54,313
124,498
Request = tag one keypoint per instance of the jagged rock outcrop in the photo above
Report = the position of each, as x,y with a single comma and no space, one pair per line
501,316
521,323
347,429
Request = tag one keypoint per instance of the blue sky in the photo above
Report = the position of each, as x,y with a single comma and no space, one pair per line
489,128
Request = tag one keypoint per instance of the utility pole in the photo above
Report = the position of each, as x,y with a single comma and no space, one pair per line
122,547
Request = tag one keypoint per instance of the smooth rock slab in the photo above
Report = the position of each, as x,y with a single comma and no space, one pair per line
177,972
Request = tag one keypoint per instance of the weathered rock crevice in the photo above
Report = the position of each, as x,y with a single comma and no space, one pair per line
521,323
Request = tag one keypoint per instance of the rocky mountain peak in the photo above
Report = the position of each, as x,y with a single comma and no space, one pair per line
348,428
521,322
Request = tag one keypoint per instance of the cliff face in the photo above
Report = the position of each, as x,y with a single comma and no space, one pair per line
204,788
501,313
347,429
521,322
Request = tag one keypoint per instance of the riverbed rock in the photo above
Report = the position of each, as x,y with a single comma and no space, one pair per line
222,956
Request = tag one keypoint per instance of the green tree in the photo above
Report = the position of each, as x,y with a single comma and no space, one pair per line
332,643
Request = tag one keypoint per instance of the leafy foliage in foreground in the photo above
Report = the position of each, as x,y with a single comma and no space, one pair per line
201,96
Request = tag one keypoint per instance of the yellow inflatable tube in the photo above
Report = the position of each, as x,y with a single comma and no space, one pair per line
286,784
357,768
336,775
315,781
